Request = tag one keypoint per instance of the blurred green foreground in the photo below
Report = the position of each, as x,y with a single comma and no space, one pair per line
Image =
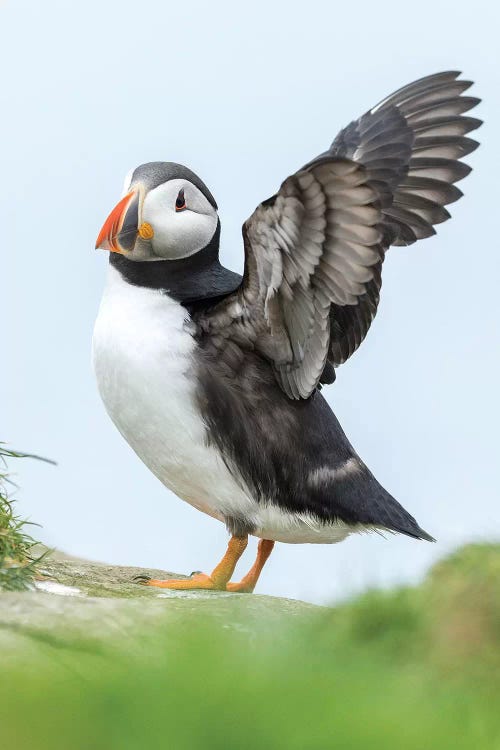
415,668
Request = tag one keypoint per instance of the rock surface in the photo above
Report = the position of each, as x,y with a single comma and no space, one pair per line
100,603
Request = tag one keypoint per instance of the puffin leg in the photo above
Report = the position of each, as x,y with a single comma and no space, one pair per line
248,582
218,578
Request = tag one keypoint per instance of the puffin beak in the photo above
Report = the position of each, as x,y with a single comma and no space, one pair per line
119,231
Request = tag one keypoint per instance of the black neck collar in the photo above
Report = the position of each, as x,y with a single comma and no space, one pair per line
198,277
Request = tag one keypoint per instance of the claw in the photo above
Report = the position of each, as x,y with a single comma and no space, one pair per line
141,579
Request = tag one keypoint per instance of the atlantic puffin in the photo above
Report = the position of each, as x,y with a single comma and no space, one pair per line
215,379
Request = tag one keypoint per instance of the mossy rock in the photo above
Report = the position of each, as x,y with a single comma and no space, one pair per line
77,599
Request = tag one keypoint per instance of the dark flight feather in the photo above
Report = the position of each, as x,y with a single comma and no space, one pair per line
426,118
314,251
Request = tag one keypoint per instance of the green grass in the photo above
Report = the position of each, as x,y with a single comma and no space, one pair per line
17,567
413,669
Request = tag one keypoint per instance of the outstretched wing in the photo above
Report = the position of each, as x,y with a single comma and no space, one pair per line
314,251
317,242
412,143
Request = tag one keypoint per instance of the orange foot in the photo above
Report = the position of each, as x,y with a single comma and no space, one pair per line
197,581
219,578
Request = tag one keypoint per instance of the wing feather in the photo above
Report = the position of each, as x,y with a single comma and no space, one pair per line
411,142
314,251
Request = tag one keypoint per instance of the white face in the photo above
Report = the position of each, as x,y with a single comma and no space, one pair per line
169,222
178,233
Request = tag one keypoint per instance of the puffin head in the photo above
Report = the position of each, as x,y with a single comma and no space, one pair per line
166,213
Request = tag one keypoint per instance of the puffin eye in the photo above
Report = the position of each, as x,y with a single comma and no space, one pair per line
180,203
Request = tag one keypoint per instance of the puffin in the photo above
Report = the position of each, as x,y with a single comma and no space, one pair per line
214,379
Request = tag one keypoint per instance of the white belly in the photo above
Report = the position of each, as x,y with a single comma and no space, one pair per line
143,361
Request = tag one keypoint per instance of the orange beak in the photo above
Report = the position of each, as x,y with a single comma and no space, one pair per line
108,238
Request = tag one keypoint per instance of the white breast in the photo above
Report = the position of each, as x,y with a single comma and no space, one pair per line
143,357
143,360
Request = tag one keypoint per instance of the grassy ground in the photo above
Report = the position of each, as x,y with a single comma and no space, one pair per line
414,668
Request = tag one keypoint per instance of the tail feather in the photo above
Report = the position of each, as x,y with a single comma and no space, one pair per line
393,516
362,500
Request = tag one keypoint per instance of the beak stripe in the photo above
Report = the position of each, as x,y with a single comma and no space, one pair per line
107,239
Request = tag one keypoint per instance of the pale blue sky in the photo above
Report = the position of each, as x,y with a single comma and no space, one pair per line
243,97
